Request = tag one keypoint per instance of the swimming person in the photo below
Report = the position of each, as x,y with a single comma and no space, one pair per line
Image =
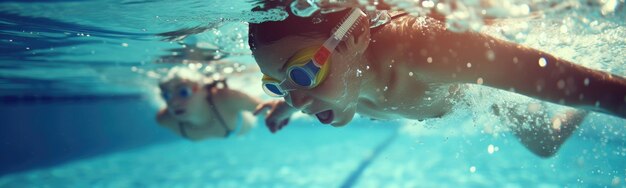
199,108
333,65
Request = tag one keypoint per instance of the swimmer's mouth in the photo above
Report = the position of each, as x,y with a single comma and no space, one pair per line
325,117
179,112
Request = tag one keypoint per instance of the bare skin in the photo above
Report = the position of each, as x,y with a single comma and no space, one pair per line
195,114
404,47
541,134
411,68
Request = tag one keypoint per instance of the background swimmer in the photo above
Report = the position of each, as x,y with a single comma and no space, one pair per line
199,108
413,67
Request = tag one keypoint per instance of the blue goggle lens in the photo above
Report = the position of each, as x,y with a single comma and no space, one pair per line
185,92
301,77
273,88
166,96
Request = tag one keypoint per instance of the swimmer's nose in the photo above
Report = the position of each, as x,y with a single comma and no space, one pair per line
177,103
298,101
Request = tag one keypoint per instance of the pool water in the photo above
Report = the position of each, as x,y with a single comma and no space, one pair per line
78,97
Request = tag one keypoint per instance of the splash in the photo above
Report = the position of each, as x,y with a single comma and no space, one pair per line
464,15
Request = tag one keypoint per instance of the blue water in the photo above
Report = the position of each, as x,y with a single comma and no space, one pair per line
78,99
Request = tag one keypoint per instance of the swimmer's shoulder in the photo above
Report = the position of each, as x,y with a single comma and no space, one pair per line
408,25
235,100
224,98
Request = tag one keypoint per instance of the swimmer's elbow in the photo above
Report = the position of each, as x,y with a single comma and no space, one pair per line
545,153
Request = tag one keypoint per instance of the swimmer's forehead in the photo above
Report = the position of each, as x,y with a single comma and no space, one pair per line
272,58
175,82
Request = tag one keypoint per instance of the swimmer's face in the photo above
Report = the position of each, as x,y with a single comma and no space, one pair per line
182,97
334,100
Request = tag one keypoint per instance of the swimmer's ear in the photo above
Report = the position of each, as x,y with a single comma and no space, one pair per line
356,34
363,40
360,40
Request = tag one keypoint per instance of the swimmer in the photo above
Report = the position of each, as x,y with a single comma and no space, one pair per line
199,108
414,68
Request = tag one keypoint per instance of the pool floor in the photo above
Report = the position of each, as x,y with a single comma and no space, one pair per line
311,155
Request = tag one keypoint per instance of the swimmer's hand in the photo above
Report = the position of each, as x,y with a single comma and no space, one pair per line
277,115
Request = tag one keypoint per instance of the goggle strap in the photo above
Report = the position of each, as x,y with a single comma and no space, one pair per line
345,29
288,86
348,24
277,86
321,56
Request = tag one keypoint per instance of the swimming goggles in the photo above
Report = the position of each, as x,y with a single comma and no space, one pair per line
183,92
310,73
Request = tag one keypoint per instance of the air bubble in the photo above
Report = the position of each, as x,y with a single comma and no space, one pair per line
561,84
556,124
609,7
563,29
428,4
543,62
227,70
490,149
491,56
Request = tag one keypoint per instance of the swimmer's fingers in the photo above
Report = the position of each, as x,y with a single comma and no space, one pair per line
274,123
283,123
271,116
271,125
278,125
262,107
279,115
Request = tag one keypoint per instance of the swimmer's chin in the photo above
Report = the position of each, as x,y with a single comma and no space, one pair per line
180,114
342,122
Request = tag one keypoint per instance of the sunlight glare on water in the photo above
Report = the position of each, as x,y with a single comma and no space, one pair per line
146,36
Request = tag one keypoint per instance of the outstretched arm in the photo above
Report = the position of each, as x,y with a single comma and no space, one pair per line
278,114
242,100
539,133
478,58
